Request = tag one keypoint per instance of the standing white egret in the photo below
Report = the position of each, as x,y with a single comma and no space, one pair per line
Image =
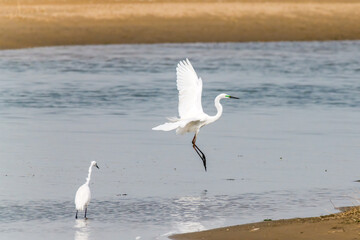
192,116
83,194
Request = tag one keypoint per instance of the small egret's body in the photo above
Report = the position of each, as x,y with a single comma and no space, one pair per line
83,194
192,116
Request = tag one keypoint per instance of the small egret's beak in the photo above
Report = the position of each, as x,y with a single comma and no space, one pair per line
233,97
97,166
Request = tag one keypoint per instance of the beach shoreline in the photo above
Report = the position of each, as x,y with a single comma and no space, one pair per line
343,225
37,23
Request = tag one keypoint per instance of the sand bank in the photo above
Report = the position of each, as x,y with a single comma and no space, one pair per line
31,23
341,226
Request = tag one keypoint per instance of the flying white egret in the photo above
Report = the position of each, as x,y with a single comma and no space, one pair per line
83,194
192,116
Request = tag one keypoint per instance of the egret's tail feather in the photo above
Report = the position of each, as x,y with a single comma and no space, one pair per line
173,119
167,126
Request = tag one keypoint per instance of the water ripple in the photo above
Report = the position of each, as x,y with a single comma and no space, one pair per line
123,77
159,210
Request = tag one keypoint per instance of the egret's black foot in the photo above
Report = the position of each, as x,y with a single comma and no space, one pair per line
204,162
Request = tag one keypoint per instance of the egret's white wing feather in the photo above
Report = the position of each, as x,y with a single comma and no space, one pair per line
82,197
190,90
181,125
167,126
172,125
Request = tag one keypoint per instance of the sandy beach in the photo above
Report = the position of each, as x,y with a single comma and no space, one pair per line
342,226
33,23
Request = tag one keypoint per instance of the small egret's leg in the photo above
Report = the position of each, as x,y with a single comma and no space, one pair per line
85,212
76,214
198,151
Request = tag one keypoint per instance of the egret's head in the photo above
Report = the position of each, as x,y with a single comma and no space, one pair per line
224,95
93,163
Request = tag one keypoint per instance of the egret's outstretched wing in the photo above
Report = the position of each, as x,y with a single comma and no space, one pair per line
190,89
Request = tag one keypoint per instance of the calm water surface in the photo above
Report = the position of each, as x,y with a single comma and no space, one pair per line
288,146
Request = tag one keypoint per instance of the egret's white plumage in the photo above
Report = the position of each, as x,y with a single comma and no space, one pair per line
83,194
191,114
189,86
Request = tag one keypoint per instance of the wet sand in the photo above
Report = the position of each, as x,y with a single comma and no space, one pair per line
32,23
341,226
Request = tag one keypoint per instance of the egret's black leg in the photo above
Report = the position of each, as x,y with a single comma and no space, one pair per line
196,147
203,158
85,213
199,152
76,214
201,155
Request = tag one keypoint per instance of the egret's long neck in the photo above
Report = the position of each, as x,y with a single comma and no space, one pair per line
219,109
89,175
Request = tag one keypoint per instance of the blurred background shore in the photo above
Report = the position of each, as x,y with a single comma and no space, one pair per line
33,23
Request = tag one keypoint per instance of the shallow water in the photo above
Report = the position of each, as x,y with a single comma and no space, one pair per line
288,146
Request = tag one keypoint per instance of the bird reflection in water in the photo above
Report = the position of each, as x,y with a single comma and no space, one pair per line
82,229
189,213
